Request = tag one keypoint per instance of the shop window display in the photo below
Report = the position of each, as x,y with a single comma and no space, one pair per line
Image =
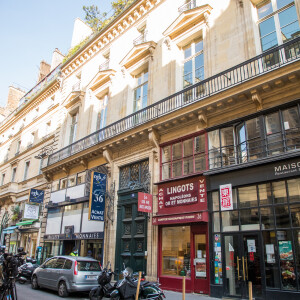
176,251
286,256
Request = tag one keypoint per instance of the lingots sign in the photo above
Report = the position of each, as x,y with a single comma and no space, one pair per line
185,195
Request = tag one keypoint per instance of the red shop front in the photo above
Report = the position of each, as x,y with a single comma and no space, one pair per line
183,235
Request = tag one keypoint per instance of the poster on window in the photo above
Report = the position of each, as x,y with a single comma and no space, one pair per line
226,197
200,267
285,250
97,196
36,196
31,211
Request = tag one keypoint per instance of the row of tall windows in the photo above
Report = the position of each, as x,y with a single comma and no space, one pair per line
247,140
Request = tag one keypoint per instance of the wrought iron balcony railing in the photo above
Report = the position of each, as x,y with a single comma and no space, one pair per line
187,6
33,92
273,59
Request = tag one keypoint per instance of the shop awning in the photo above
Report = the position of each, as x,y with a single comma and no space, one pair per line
27,222
10,229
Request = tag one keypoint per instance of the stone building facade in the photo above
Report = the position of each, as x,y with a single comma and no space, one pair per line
197,104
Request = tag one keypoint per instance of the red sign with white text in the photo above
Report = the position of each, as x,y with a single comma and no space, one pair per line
145,202
226,197
187,195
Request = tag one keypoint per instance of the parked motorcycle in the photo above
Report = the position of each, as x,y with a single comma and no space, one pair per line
26,270
124,289
105,288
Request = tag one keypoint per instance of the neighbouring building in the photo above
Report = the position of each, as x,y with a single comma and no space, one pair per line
27,138
196,103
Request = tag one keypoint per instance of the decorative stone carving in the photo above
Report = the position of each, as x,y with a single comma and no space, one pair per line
202,119
167,42
256,98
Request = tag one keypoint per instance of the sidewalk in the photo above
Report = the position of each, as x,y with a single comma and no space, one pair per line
178,296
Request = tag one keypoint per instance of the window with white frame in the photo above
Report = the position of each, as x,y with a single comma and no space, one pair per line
13,174
141,91
3,179
278,22
73,127
27,164
18,147
101,117
41,165
47,128
31,139
193,68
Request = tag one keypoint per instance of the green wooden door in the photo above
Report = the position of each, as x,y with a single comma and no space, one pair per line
131,241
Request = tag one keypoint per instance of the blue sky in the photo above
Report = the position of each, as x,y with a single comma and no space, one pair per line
29,32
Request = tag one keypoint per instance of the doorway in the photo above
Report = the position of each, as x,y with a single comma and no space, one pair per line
200,268
68,247
243,264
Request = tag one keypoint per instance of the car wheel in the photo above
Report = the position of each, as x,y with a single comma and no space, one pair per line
34,283
62,289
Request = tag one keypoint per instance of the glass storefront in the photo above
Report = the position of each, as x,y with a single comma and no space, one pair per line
270,211
176,251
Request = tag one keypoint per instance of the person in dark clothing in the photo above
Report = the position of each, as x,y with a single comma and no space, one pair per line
89,253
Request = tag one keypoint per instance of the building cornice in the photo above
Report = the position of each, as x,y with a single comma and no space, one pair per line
120,24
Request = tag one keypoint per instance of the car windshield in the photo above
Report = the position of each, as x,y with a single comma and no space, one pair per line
89,266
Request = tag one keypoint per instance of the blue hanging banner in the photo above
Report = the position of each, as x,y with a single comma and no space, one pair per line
36,196
97,197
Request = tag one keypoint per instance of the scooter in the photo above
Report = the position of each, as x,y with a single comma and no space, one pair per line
105,288
125,288
26,270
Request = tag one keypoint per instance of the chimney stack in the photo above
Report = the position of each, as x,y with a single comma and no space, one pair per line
14,96
44,70
57,58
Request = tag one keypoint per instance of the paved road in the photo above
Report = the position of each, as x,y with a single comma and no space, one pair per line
25,292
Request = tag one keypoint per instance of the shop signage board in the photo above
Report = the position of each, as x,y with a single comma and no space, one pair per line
226,197
181,218
36,196
31,211
183,196
75,236
144,202
97,196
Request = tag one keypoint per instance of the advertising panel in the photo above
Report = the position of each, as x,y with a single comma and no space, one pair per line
144,202
97,196
36,196
226,197
31,211
182,196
